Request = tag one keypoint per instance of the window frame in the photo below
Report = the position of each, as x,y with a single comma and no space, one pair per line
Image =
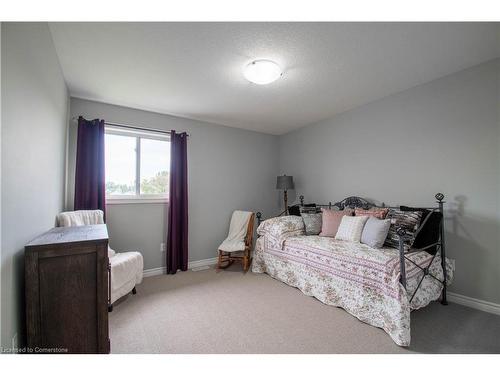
138,135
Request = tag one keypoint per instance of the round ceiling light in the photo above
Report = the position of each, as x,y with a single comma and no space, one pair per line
262,72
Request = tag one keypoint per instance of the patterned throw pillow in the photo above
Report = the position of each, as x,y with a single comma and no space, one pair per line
379,213
350,228
278,229
297,209
312,223
408,220
331,220
309,209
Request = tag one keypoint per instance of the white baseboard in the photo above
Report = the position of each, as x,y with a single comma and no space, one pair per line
154,272
490,307
197,263
203,262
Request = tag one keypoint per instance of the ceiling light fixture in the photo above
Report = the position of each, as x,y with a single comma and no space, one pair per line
262,72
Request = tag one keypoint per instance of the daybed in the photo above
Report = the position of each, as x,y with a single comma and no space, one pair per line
378,286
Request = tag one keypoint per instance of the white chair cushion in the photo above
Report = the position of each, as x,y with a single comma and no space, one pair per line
126,272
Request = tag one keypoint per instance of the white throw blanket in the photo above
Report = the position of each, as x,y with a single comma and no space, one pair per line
81,217
235,240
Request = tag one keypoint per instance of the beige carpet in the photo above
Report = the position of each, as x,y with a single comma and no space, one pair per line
232,312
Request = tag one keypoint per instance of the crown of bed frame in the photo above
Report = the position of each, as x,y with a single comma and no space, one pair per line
358,202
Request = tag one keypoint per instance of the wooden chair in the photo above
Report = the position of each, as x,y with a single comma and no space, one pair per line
226,258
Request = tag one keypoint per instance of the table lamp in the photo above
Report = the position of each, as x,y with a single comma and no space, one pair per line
285,183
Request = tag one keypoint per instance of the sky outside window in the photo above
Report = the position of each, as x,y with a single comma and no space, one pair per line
121,165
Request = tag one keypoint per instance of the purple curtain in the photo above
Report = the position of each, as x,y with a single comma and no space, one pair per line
89,175
177,235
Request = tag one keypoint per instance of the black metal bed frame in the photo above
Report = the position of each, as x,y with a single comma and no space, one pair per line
357,202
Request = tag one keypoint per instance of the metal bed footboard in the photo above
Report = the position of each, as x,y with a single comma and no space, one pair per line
357,202
440,249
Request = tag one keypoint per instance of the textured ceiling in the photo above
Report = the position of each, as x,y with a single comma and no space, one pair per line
194,70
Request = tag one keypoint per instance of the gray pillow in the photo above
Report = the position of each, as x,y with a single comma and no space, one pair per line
375,232
312,223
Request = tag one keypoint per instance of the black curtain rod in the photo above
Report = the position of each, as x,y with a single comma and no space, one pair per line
126,126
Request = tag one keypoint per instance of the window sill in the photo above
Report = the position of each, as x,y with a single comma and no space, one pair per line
113,201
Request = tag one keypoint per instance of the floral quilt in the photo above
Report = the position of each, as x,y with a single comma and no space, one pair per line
361,280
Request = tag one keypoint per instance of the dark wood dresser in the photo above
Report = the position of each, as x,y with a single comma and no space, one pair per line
66,272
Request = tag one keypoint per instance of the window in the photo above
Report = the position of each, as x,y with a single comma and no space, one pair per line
137,165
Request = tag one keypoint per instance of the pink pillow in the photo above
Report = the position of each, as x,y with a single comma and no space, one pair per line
331,221
379,213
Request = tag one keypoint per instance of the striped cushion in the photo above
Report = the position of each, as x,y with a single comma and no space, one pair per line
409,220
379,213
350,228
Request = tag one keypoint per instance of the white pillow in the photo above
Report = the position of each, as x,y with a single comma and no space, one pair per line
350,228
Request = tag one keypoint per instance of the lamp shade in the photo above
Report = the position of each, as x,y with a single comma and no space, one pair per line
284,182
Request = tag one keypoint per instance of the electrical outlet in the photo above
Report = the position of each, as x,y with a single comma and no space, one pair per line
15,344
162,247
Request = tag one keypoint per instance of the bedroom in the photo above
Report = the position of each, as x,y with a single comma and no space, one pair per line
312,155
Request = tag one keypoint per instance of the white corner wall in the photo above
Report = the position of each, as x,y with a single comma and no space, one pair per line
34,121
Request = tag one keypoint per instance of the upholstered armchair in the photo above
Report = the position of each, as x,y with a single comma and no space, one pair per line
125,269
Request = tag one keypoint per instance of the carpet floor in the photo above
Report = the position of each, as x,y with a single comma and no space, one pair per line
232,312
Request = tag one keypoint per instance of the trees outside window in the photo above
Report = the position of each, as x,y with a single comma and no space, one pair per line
137,164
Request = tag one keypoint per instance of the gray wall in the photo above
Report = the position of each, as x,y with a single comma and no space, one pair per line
34,117
439,137
228,169
1,262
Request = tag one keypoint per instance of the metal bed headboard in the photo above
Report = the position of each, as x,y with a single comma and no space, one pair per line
357,202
